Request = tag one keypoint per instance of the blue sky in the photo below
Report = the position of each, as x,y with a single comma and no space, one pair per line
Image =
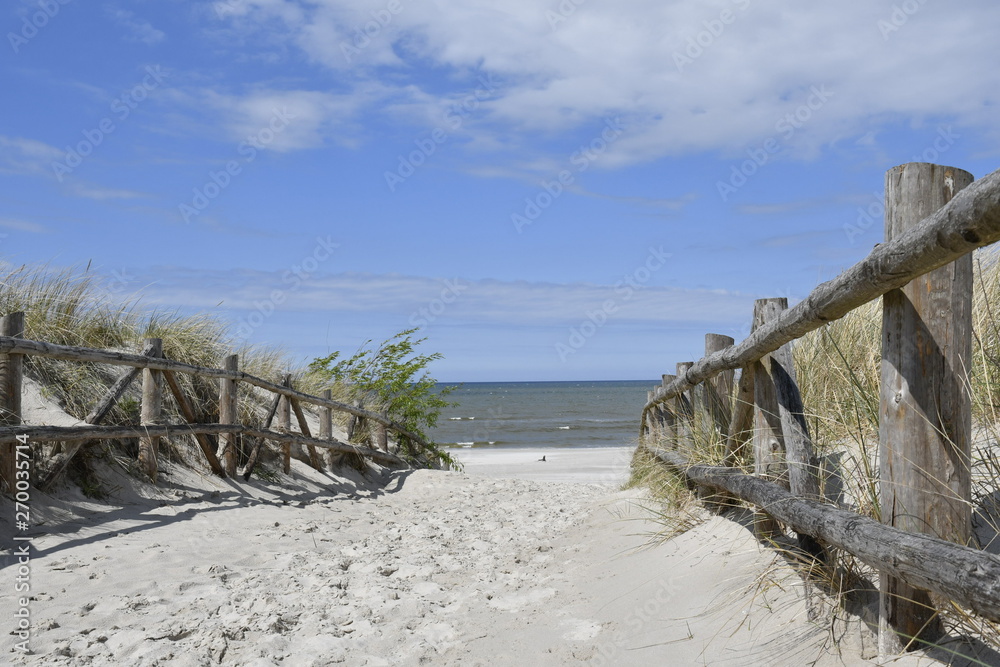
552,190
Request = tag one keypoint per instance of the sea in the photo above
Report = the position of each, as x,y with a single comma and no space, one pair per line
542,414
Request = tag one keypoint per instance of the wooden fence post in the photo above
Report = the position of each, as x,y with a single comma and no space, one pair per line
741,426
925,418
685,411
768,443
314,459
229,414
648,426
285,425
326,429
11,378
669,413
151,411
719,390
777,372
383,437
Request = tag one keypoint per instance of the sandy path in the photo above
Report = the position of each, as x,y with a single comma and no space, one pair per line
434,569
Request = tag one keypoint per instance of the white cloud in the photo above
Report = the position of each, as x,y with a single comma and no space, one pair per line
628,58
287,120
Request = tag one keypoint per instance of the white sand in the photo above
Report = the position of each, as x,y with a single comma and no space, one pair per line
595,465
410,568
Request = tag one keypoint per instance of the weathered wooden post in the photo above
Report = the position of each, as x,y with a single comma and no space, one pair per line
741,426
777,372
719,389
383,437
647,428
768,443
228,414
326,429
925,418
685,413
11,378
669,413
285,425
151,410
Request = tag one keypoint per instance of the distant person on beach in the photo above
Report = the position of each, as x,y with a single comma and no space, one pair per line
542,459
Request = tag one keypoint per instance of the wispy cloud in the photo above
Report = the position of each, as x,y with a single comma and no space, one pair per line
478,301
22,226
136,29
102,194
26,156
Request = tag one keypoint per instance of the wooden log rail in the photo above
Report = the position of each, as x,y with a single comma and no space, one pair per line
968,576
9,435
971,220
13,346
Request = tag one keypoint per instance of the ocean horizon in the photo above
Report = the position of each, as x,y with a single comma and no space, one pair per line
555,413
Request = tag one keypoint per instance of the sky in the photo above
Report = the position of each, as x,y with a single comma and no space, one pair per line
550,190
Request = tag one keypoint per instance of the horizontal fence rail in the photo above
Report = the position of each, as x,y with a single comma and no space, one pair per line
969,576
80,433
971,220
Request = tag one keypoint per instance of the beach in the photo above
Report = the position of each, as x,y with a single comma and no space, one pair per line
410,567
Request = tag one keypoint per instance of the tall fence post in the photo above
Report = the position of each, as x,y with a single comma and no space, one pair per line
719,390
229,414
741,426
647,428
285,424
151,411
669,413
685,411
925,418
11,378
326,429
768,442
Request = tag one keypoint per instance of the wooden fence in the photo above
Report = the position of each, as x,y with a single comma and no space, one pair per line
935,217
156,372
